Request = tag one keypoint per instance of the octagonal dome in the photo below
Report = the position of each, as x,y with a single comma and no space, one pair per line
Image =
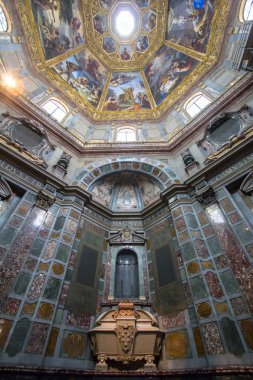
124,59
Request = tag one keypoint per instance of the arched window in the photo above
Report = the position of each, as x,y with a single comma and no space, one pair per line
196,104
247,10
55,109
126,275
126,135
3,20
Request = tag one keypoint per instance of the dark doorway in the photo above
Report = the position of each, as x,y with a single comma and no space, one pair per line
126,275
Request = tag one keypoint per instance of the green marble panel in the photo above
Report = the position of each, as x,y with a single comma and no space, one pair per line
188,252
198,288
37,247
22,283
68,275
183,274
229,282
59,223
197,207
52,288
6,235
30,197
18,337
214,245
244,232
54,209
220,194
232,337
63,253
58,316
192,315
192,221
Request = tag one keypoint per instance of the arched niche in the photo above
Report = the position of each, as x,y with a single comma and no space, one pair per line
126,284
160,171
126,191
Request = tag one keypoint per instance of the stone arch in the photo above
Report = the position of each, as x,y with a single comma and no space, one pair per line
161,172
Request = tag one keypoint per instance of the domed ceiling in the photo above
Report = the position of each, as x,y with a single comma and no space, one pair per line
119,59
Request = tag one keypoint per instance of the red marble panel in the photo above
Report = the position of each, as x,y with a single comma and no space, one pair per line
232,249
19,251
213,285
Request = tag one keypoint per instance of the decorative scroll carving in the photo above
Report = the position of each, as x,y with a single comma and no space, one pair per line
127,236
206,197
126,309
226,131
5,190
247,185
125,334
44,201
26,136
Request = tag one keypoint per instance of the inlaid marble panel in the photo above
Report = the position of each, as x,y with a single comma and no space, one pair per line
36,286
76,320
52,288
204,310
5,326
198,288
49,250
170,322
229,282
188,251
192,221
22,283
73,345
63,295
37,339
212,338
201,248
52,341
221,308
214,285
18,337
247,329
232,337
180,224
59,223
240,266
20,248
177,345
238,306
198,341
11,307
45,310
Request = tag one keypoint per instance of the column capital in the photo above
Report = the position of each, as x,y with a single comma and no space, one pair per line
206,196
44,200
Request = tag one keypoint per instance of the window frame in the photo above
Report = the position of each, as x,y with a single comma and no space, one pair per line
242,11
126,128
193,101
7,18
59,106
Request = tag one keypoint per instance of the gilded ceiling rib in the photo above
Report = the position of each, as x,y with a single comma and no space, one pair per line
147,88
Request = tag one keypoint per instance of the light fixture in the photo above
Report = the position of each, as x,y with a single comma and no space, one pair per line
9,81
124,23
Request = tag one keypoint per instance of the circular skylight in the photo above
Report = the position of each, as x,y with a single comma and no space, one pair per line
125,23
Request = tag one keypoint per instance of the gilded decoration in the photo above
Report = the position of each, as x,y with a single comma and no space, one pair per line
76,48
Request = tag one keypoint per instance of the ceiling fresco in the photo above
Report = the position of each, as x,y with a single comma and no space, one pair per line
123,59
